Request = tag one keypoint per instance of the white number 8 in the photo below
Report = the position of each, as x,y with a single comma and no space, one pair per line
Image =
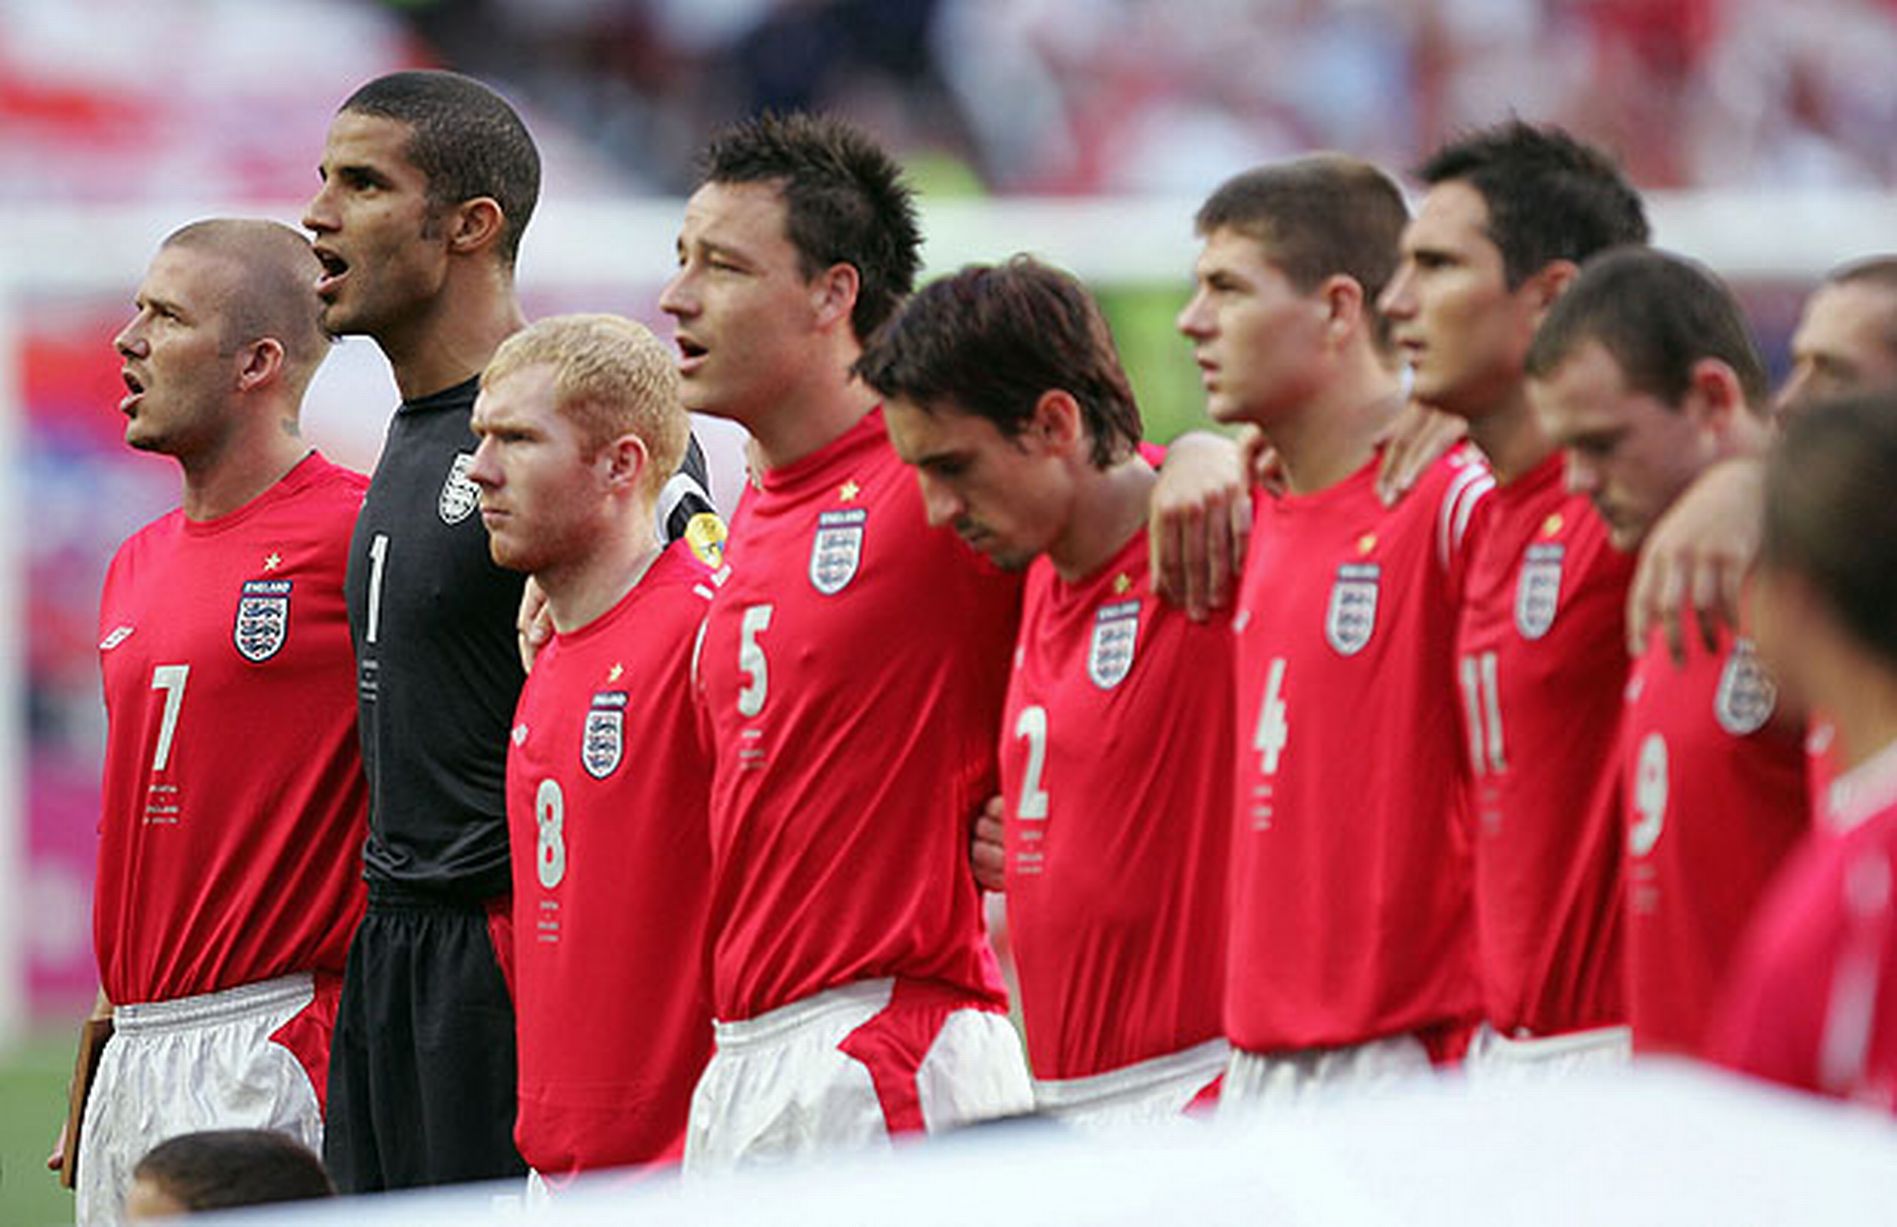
550,816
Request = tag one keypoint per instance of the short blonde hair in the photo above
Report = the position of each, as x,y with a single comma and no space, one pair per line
611,377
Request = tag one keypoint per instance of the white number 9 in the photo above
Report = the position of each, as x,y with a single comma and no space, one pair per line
1650,788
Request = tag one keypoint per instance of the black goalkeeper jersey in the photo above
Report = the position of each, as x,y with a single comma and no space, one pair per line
437,666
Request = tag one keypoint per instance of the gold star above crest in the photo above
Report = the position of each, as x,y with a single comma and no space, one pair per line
272,561
1552,525
616,672
848,491
1366,543
1121,583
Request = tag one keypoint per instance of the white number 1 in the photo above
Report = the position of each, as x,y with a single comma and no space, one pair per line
378,561
170,679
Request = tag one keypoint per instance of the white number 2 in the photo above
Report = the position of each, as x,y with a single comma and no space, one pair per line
757,620
170,679
1032,724
550,817
1274,725
1650,789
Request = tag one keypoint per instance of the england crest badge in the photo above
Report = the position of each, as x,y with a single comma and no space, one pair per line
1538,589
1116,629
603,743
836,551
1351,617
459,496
263,619
1747,694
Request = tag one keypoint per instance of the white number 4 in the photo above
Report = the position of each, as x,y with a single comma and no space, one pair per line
170,679
1274,726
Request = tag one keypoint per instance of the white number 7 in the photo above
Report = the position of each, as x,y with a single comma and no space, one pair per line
170,679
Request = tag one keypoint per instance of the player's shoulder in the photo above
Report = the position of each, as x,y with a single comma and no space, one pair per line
328,479
1454,494
686,574
151,538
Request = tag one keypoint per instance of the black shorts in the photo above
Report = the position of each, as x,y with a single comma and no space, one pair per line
422,1067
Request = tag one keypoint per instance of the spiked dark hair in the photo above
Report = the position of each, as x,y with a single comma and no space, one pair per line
845,201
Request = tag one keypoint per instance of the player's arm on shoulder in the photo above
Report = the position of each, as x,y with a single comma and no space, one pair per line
1696,557
1200,522
533,623
1418,438
987,846
92,1036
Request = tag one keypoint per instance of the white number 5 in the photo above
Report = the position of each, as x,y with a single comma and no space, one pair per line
757,620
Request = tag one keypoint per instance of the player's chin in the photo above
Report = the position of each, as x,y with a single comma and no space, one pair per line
1224,409
1625,532
140,437
506,552
1006,557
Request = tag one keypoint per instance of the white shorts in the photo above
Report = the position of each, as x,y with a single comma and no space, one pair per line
1495,1059
1157,1089
214,1061
848,1069
1273,1079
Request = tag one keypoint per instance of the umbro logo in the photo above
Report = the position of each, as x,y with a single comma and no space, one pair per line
119,635
520,734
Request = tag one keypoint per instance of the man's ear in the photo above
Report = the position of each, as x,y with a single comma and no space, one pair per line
1548,283
833,294
475,225
1715,399
1057,424
1344,307
626,460
259,363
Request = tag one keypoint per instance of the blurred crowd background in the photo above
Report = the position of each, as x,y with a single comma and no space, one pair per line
121,99
155,103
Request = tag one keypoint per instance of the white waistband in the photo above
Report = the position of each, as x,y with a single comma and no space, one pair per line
775,1024
225,1005
1542,1047
1131,1081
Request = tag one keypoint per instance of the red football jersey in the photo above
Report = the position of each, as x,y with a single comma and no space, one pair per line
1116,760
852,675
608,793
1714,789
1813,998
1350,902
1541,660
230,838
